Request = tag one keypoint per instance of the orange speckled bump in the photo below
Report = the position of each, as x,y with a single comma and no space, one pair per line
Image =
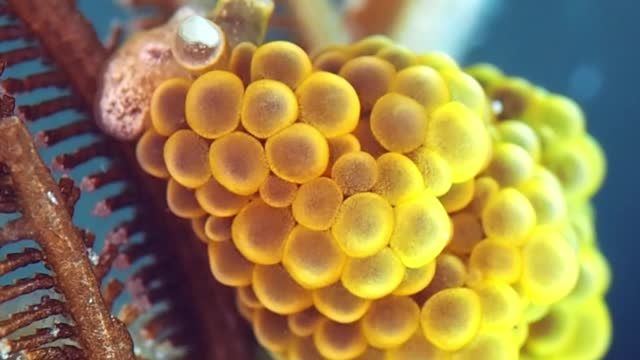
238,162
399,123
149,153
269,106
383,204
282,61
298,153
370,77
329,103
168,106
213,104
185,155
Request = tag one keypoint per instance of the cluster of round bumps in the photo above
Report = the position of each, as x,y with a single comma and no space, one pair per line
371,203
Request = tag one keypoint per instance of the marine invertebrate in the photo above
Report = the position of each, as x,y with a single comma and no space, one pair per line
27,179
422,210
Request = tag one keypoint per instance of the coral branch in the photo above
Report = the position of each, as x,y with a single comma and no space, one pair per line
41,337
99,334
25,286
66,352
24,258
15,230
33,313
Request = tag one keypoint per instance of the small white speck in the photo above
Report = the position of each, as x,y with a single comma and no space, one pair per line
497,107
52,198
91,301
93,257
5,349
55,331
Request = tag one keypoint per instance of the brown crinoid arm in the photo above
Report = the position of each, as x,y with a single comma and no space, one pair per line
45,212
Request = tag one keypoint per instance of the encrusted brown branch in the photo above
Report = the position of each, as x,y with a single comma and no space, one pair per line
26,286
56,353
15,230
42,337
42,205
18,260
47,307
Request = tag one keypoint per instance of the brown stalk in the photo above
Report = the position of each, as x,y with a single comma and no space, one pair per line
375,17
101,336
313,24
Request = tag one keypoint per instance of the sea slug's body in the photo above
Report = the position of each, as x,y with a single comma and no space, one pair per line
369,202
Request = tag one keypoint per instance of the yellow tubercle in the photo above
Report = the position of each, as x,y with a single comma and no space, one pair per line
390,321
451,318
228,265
298,153
216,200
268,107
422,229
182,201
375,276
339,341
278,292
398,123
398,178
281,61
167,108
313,258
339,304
509,216
355,172
259,231
218,228
424,85
238,162
316,203
363,225
459,136
185,155
493,260
149,153
213,104
371,78
549,267
329,103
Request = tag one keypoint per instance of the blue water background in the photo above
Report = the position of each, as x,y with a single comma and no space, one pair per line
589,50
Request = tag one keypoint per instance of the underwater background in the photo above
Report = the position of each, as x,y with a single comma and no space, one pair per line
587,50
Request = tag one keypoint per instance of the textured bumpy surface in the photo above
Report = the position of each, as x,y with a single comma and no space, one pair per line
368,202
